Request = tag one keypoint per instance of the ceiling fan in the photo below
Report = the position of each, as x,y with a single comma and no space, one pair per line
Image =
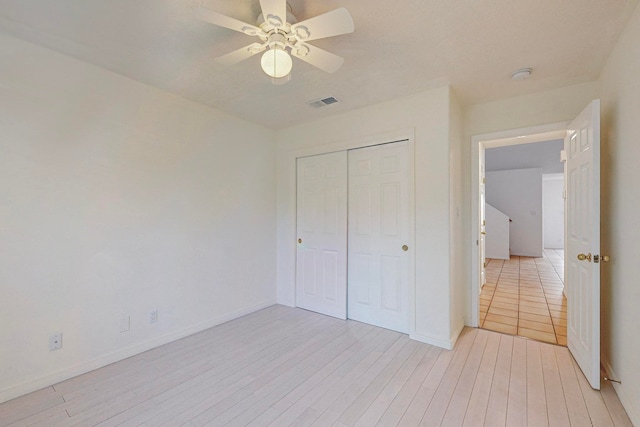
281,36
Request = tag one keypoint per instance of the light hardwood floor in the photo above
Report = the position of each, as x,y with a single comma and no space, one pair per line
284,366
523,296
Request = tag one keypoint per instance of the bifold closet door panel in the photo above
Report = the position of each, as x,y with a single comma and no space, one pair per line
321,262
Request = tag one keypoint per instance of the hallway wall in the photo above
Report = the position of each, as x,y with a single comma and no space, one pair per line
620,204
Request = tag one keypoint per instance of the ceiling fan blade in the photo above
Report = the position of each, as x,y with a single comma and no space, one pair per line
317,57
274,12
328,24
241,54
221,20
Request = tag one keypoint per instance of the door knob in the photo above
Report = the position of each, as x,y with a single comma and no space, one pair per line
405,248
582,257
605,258
299,240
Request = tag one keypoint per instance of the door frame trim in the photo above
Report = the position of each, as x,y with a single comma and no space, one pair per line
481,142
287,259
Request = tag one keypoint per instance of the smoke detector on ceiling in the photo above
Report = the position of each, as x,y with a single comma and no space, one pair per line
522,74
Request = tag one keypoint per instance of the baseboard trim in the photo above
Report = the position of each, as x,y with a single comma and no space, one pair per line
627,403
456,334
124,353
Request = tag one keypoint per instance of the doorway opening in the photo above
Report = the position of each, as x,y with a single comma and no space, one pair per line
518,285
582,227
523,218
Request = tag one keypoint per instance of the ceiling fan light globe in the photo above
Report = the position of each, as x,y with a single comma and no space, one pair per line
276,63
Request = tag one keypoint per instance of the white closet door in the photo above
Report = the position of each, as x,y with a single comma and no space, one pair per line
321,263
380,228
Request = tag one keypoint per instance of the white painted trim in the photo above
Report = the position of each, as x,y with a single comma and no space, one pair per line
439,342
478,142
291,156
627,403
124,353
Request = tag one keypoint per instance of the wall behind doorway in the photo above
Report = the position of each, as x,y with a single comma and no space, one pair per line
518,193
553,210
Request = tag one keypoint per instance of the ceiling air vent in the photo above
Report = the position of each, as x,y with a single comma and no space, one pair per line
319,103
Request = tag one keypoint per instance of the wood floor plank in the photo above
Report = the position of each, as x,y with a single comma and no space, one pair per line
283,366
322,395
460,399
614,407
290,377
517,400
556,404
496,414
315,382
479,398
396,410
160,385
378,407
225,381
536,400
222,400
576,407
344,400
45,402
369,395
437,407
595,403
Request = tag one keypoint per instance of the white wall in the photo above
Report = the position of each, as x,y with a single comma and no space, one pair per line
553,210
497,229
425,116
518,193
620,205
115,199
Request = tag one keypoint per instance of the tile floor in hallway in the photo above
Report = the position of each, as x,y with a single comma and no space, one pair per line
523,296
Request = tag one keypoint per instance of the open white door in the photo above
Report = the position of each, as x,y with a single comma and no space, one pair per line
483,223
582,261
321,261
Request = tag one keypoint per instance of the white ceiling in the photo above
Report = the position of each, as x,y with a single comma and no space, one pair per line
399,48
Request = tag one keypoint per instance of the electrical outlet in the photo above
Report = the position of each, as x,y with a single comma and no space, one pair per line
55,341
153,316
125,324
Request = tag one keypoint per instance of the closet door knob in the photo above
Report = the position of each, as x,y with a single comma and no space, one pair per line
405,248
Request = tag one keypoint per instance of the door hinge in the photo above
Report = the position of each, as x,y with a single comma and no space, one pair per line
563,155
